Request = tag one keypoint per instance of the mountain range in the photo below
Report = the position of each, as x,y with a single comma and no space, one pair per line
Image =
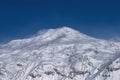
60,54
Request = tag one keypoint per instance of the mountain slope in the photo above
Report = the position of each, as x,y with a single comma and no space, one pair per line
60,54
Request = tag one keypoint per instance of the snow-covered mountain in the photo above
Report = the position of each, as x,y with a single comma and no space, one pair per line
60,54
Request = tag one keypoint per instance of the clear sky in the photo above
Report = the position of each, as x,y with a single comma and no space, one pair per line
23,18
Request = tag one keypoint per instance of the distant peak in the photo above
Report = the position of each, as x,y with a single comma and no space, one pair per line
66,33
63,30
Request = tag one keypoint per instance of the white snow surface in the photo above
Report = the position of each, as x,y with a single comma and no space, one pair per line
60,54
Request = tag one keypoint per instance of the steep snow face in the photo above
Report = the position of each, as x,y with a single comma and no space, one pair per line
60,54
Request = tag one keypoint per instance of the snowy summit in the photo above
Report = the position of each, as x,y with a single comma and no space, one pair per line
60,54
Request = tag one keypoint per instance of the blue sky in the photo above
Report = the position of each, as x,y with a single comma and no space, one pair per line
23,18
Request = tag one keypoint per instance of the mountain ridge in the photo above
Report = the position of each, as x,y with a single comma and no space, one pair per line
60,54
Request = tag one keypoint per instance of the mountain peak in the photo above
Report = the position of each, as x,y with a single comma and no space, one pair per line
65,32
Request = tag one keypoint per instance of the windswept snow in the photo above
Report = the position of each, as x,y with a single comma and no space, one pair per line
60,54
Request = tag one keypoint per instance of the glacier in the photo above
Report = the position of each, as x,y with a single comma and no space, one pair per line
60,54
